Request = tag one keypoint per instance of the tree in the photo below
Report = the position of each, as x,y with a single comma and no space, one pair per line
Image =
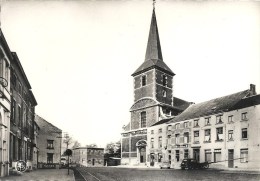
76,144
113,149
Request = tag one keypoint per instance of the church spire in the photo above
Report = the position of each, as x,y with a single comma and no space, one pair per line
153,50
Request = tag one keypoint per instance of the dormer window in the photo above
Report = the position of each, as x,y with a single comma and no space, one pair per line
143,80
164,80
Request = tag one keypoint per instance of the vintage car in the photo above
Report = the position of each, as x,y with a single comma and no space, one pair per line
191,163
165,164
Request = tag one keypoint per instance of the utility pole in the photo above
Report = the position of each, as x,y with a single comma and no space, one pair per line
67,140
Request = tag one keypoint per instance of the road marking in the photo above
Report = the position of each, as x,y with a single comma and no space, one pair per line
93,176
82,175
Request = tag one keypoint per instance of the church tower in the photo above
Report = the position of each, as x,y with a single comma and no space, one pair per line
153,99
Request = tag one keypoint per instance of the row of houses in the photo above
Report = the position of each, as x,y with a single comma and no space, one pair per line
224,131
23,135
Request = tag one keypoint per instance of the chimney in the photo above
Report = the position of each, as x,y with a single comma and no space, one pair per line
252,89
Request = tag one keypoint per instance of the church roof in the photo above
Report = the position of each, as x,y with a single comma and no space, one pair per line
153,56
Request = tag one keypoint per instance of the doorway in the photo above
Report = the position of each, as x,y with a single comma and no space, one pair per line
142,155
196,154
230,158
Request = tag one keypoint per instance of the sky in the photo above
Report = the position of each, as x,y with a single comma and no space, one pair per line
79,55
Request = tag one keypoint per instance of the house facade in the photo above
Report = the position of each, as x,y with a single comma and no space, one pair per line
23,105
153,99
48,144
223,131
88,157
5,104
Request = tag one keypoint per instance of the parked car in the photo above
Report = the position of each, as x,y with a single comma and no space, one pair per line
191,163
165,164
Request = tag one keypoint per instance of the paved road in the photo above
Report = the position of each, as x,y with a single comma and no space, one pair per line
146,174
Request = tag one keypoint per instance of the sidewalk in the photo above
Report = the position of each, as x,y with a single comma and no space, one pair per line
43,175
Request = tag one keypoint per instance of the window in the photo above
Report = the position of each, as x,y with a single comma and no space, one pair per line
160,142
177,139
159,157
143,119
220,134
168,139
244,133
185,124
19,89
152,142
208,156
143,80
186,153
164,93
164,80
160,130
244,155
230,134
152,131
177,126
230,119
207,121
217,155
19,116
244,116
186,137
196,123
50,144
207,135
13,103
196,136
49,157
169,127
219,119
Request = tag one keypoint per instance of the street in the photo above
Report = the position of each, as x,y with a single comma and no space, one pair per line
140,174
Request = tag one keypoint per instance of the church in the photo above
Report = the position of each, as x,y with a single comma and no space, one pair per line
153,99
164,128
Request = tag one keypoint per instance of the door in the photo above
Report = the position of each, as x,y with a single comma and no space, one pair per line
93,161
196,154
142,155
230,158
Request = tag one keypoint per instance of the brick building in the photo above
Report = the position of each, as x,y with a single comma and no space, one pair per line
222,131
48,143
23,105
89,157
153,99
5,107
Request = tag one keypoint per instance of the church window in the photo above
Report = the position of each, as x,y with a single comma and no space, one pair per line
143,119
164,80
143,80
164,93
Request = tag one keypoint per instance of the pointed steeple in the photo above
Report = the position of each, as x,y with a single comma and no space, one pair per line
153,50
153,56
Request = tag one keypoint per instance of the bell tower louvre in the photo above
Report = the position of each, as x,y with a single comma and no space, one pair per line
153,99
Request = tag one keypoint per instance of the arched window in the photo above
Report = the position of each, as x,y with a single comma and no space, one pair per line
164,80
143,119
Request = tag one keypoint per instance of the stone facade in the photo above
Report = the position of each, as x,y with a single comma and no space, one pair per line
89,157
49,144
